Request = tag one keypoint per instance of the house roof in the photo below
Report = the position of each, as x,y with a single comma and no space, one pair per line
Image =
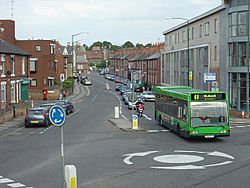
155,55
8,48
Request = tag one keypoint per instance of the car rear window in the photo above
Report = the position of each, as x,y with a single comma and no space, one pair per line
35,112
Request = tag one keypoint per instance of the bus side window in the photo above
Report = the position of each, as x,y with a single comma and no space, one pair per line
184,116
179,112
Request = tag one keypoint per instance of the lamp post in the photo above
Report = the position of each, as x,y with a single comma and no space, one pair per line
73,52
188,61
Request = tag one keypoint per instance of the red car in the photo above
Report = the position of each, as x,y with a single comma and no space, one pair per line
118,80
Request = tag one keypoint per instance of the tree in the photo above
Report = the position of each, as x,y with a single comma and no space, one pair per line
106,45
148,45
98,43
139,45
128,44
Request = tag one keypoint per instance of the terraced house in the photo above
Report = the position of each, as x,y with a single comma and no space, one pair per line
14,66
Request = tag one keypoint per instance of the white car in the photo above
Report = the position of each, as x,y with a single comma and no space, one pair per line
87,82
148,96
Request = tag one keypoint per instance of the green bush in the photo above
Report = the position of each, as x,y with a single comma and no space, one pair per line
68,85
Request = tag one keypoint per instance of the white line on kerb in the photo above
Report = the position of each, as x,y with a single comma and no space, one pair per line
16,185
6,180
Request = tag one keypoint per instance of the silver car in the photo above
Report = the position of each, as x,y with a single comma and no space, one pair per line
148,96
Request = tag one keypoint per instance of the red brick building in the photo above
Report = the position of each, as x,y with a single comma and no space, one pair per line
14,66
144,61
46,63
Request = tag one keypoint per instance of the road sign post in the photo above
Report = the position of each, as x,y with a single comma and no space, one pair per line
135,122
57,117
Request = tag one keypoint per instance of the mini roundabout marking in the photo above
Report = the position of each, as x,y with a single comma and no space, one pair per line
183,159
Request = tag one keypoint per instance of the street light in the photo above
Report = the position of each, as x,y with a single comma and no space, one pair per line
187,20
73,52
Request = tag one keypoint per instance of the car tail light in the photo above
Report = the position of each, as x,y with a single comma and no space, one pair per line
44,115
26,115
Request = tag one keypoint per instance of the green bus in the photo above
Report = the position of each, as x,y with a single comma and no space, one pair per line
192,112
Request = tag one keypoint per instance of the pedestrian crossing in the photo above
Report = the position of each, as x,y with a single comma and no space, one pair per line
11,183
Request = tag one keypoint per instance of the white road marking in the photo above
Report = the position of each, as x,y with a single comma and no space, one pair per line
11,132
176,159
16,185
240,126
148,118
129,156
165,130
153,131
124,117
6,180
94,98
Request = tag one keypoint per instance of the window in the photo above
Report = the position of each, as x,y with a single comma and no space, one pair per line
33,65
12,64
215,25
242,23
33,83
52,49
215,53
192,33
3,60
200,30
207,28
38,48
242,54
233,54
238,24
3,91
183,36
23,65
12,92
51,82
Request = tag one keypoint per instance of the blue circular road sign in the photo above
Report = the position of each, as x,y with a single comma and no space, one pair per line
57,115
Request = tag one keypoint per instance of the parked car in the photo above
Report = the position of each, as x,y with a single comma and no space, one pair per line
86,82
66,105
49,105
148,96
124,89
118,80
37,116
118,86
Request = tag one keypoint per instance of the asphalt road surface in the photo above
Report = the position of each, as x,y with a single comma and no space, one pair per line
106,156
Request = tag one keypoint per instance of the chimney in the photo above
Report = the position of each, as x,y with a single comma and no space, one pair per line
1,32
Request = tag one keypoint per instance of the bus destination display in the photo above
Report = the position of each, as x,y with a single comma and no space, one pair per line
208,96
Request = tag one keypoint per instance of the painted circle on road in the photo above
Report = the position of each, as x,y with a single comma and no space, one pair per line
178,159
183,159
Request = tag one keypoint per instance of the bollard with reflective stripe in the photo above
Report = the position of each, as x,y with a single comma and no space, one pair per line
70,176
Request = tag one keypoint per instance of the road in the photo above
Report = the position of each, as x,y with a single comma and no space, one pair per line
106,156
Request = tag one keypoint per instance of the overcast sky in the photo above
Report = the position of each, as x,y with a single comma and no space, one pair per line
117,21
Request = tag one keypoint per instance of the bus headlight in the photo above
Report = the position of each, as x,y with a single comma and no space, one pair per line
193,132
